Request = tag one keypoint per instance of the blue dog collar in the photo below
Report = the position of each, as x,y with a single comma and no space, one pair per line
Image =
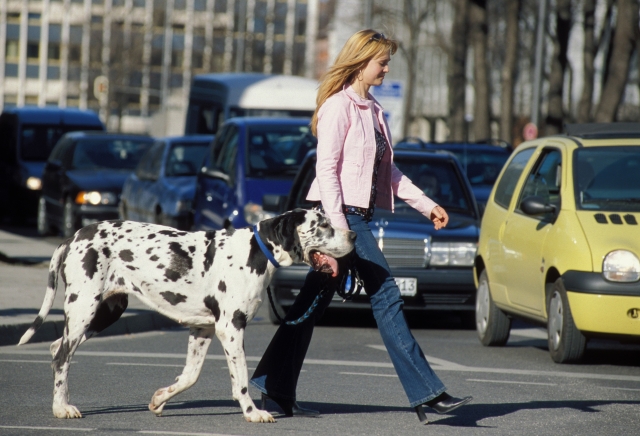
264,248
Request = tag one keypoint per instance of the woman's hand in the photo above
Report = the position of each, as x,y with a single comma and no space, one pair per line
439,217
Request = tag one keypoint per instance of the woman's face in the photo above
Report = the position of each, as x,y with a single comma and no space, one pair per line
373,73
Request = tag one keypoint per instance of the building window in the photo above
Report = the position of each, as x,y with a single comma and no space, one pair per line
176,58
13,49
33,50
54,52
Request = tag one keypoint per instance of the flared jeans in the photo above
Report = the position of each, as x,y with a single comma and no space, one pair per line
278,371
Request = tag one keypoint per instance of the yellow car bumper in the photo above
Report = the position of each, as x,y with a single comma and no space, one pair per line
611,314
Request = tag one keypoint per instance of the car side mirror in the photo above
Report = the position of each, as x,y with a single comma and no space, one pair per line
215,174
273,202
535,205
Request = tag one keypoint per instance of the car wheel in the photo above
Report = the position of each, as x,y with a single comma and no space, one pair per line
566,343
44,229
492,324
69,226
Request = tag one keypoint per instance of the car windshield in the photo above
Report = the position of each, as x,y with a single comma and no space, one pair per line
185,159
439,181
38,140
277,150
107,153
607,178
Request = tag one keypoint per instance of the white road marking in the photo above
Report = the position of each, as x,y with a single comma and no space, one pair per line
143,364
443,365
24,427
28,361
369,374
511,382
177,433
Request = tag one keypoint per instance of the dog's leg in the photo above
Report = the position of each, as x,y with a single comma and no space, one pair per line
77,321
199,341
233,344
64,349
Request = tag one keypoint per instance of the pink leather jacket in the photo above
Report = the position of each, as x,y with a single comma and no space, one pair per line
345,158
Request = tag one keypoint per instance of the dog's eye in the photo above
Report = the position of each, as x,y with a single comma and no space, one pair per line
324,225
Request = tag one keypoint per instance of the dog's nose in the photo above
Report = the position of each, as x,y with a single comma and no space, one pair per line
352,235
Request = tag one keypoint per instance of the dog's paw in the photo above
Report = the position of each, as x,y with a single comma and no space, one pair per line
66,411
257,415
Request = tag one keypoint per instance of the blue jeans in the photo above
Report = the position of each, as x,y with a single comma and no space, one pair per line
278,371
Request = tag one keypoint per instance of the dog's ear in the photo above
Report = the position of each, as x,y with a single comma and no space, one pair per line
283,231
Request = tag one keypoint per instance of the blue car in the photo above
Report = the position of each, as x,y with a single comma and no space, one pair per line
162,187
27,136
433,269
481,161
251,161
83,177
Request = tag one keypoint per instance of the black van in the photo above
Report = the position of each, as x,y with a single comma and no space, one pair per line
27,136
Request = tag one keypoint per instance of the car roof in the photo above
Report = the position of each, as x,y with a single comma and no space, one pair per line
490,145
54,115
603,130
431,154
93,134
205,139
255,121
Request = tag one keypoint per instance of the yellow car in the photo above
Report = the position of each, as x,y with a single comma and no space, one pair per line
560,240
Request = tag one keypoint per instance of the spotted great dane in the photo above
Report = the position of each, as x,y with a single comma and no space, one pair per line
209,281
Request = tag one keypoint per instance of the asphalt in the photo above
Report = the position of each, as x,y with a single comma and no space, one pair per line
24,263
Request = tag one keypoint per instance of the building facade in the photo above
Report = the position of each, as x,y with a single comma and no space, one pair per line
132,60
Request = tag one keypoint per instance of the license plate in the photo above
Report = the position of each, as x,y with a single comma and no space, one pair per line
408,286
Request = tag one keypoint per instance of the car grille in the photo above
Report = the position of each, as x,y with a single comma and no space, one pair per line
444,298
403,253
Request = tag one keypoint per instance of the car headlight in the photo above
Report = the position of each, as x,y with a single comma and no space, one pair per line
621,266
253,213
453,253
95,198
34,183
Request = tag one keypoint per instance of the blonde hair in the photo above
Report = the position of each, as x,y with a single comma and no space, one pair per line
359,49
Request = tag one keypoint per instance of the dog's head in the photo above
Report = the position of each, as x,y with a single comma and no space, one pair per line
307,236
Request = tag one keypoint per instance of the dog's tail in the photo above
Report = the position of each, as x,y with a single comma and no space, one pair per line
54,271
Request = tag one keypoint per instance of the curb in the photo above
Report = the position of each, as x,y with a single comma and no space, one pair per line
49,331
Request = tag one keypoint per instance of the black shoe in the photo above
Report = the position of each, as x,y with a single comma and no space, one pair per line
445,403
289,407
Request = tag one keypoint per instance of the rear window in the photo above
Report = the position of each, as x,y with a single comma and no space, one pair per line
278,150
185,159
438,179
37,141
93,154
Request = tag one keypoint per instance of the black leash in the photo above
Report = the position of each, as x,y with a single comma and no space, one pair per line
354,290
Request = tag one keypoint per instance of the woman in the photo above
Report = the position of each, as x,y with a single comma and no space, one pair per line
354,174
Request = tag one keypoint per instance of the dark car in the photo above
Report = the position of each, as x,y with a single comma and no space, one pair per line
250,161
27,136
162,187
83,178
433,269
481,161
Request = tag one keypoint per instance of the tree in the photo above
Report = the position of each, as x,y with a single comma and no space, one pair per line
624,42
555,111
508,70
413,15
456,71
478,30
